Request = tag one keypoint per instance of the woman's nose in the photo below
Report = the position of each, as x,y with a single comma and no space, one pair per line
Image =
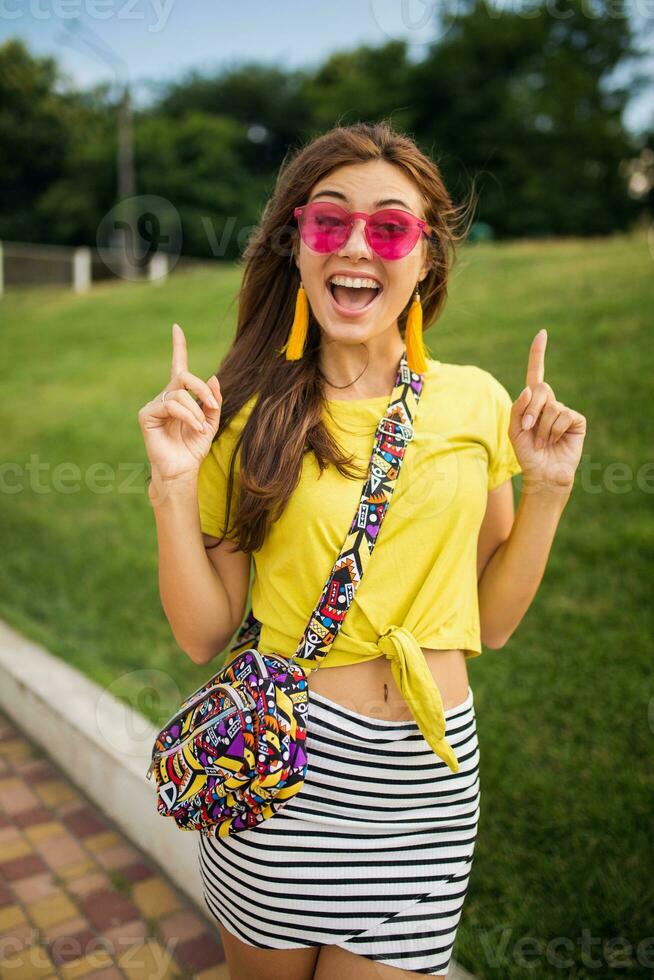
357,243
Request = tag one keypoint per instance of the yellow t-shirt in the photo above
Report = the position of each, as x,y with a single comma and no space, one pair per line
420,587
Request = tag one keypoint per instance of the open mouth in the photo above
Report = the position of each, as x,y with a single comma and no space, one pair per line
354,300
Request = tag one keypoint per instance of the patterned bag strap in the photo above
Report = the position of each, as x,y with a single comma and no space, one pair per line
394,431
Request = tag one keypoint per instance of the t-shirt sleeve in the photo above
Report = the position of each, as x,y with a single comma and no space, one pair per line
212,487
503,462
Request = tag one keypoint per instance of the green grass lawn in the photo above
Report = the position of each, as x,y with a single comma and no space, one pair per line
562,879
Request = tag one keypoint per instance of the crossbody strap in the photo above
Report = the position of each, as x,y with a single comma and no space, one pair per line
392,435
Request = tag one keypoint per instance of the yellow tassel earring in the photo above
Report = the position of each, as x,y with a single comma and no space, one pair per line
294,346
416,352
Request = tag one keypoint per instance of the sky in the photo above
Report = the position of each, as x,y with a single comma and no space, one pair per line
151,41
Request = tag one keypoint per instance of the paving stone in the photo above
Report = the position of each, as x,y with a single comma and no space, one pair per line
102,841
34,888
138,871
70,806
75,870
29,818
61,916
20,799
10,916
22,867
107,908
86,965
111,973
67,928
60,851
148,960
49,911
41,831
76,946
9,785
84,821
200,952
15,749
124,936
6,896
155,898
36,770
13,849
27,964
9,835
119,856
180,926
53,791
16,938
86,884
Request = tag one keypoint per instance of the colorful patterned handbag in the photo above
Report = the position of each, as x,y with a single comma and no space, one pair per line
235,751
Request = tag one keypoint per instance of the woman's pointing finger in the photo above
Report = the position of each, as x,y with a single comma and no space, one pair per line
180,355
536,362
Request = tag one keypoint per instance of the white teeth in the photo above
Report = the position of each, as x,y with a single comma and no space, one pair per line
354,283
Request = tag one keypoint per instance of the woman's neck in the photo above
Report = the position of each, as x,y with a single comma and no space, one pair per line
366,370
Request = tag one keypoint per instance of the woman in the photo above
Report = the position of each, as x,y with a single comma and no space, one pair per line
364,872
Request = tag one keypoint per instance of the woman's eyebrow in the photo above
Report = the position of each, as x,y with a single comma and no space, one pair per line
378,204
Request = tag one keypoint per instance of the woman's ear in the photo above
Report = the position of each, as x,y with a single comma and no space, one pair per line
295,254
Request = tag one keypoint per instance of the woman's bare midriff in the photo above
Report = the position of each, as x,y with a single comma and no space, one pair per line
369,688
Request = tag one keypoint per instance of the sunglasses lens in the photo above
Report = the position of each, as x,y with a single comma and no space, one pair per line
323,227
393,234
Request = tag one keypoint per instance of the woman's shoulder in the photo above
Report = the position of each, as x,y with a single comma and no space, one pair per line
463,378
224,442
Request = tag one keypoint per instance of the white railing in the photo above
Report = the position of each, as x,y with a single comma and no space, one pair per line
27,264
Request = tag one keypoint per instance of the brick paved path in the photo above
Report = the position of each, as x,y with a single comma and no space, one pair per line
76,898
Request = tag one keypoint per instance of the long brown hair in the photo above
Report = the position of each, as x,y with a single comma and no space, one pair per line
286,418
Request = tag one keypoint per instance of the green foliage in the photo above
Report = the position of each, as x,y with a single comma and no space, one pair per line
525,101
364,84
529,106
196,163
33,138
272,106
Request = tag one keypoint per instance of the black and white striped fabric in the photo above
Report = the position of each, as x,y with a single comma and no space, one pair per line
373,855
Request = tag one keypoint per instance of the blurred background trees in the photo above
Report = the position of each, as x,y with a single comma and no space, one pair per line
530,107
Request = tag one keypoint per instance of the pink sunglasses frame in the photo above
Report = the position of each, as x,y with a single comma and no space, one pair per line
351,215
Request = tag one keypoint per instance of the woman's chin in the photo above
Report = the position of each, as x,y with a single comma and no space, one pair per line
349,332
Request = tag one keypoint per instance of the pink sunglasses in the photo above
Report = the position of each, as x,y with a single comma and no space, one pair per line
392,233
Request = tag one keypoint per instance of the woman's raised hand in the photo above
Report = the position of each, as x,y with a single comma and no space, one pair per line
178,432
547,435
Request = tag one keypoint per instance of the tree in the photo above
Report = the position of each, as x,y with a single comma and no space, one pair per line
526,101
33,139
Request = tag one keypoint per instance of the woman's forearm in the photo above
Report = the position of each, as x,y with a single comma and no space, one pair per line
511,577
192,594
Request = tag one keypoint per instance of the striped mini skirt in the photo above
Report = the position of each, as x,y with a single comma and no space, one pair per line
373,854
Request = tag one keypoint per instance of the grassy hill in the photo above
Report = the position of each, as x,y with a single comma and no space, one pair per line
565,710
